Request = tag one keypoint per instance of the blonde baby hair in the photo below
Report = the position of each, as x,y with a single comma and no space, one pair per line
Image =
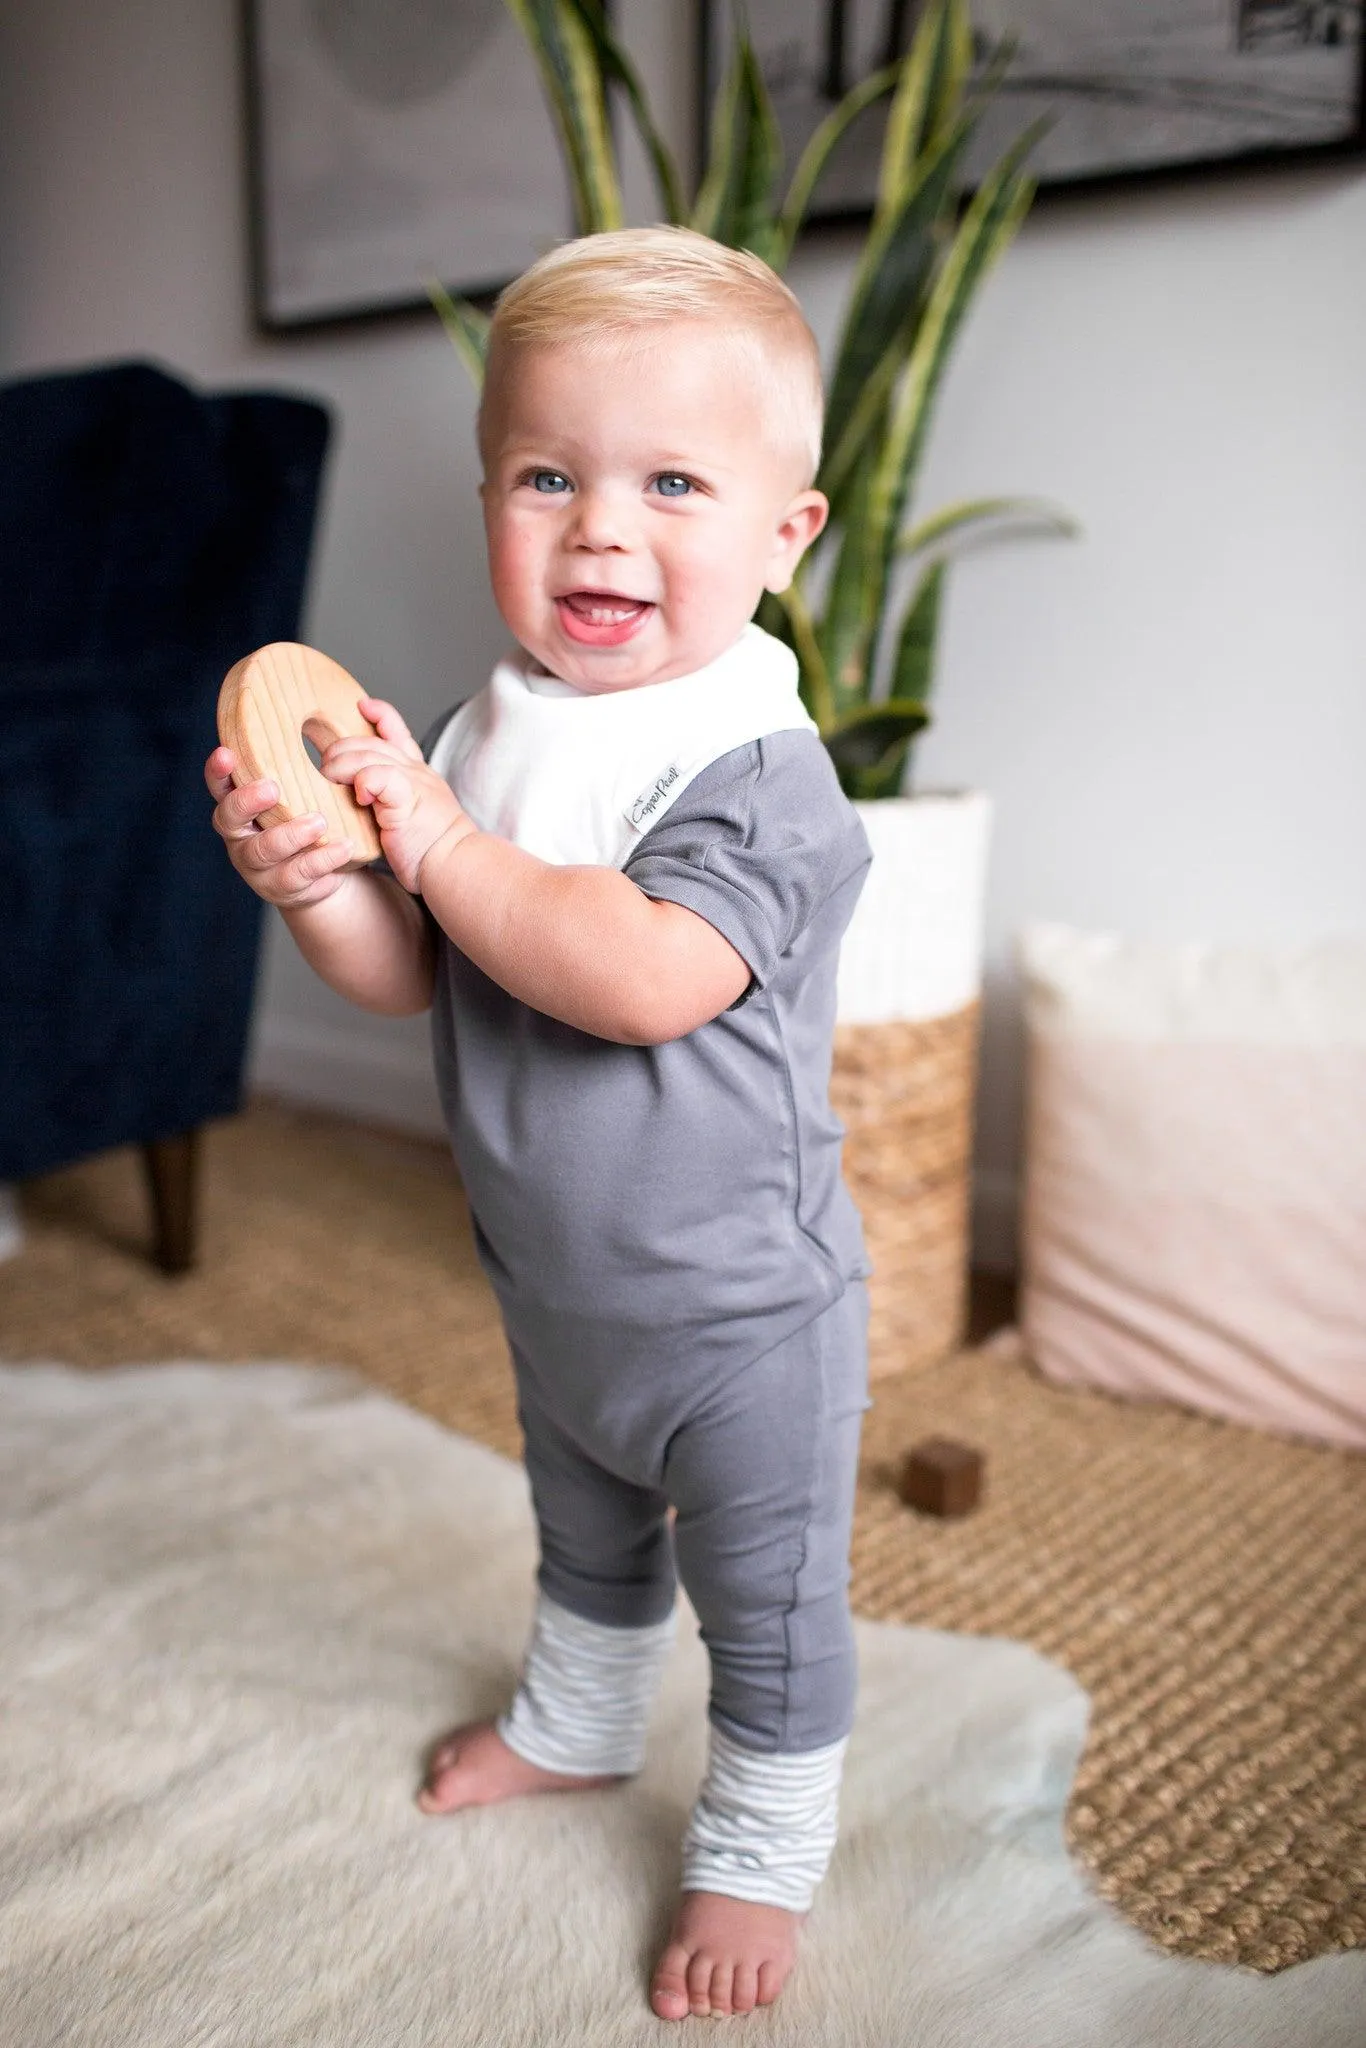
603,289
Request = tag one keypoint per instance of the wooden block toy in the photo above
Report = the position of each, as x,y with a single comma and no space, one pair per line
941,1477
270,703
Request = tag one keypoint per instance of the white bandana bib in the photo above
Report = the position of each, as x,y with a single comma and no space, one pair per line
578,779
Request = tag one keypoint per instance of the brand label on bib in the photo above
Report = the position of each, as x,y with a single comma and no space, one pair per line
643,810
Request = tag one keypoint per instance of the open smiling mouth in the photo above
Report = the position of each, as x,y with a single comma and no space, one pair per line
601,618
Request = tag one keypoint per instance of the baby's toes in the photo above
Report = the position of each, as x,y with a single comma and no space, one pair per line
440,1791
771,1980
744,1990
440,1764
669,1990
700,1972
722,1990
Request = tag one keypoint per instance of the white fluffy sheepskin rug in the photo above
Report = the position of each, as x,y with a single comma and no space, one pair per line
239,1602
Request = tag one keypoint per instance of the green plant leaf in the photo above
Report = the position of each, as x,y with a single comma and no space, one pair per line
869,747
985,88
736,202
841,632
800,634
987,227
814,158
1035,514
885,306
865,482
466,327
568,56
913,670
928,99
773,618
617,66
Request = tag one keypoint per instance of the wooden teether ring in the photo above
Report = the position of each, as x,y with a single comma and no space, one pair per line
273,700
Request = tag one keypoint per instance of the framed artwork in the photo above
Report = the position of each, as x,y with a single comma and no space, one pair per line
392,141
1132,88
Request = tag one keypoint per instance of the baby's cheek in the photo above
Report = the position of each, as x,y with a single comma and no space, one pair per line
515,561
703,576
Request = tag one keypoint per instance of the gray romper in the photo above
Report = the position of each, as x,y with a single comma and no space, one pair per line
678,1262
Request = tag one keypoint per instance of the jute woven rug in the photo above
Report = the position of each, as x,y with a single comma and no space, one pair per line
1206,1585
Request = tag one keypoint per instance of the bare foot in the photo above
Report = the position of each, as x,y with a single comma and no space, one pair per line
723,1956
473,1766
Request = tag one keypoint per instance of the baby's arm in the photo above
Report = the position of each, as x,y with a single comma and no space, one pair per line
583,944
359,931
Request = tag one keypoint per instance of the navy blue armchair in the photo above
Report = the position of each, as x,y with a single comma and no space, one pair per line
149,536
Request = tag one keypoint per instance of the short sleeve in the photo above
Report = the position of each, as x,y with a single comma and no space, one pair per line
757,844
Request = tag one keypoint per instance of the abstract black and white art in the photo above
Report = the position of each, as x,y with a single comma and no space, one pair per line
1131,86
395,140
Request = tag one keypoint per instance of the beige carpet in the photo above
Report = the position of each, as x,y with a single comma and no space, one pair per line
1206,1585
239,1603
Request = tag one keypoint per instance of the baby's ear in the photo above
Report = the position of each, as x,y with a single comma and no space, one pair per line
800,524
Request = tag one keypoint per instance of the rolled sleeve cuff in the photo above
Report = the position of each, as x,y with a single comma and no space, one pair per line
739,918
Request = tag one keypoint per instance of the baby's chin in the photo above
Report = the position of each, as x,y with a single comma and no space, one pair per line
633,665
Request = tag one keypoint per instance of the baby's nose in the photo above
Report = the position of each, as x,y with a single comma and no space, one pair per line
601,521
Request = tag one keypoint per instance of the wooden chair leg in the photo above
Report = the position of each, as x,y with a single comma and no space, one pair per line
171,1166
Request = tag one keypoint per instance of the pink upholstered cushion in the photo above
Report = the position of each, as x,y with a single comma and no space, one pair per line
1195,1206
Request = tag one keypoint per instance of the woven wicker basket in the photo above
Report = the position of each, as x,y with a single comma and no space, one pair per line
904,1092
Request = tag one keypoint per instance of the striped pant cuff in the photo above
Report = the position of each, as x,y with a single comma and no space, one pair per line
586,1693
764,1827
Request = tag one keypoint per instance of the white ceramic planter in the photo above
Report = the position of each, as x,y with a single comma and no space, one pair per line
913,949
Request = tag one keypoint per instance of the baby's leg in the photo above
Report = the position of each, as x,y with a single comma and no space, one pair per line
576,1723
604,1623
764,1487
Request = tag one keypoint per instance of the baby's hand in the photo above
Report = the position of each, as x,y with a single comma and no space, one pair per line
285,864
413,806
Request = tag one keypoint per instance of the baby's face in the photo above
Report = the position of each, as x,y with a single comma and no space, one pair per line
635,509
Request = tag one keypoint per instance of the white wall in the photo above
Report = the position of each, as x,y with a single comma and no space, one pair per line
1171,713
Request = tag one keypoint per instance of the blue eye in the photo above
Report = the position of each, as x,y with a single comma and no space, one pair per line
550,481
671,485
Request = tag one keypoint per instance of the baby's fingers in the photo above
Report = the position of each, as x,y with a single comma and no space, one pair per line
238,809
343,760
292,864
388,789
273,847
306,876
390,725
218,772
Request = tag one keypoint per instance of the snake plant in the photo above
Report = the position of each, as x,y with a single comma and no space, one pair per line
863,625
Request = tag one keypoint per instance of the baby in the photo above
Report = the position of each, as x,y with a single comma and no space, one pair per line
619,878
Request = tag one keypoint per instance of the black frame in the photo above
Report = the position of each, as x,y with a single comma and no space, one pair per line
711,57
363,312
